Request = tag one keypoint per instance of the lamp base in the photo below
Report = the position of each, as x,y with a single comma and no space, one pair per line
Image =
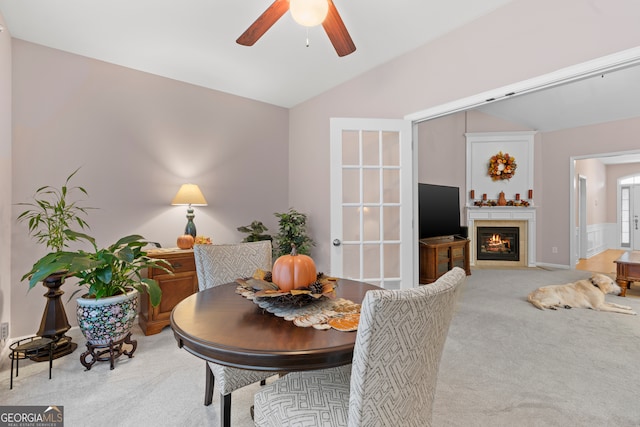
190,228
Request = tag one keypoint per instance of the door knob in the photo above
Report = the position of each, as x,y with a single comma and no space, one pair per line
336,242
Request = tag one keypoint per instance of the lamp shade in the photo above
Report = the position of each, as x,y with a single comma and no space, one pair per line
309,13
189,194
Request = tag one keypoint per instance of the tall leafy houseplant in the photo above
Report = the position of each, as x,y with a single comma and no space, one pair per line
52,215
102,273
105,272
292,230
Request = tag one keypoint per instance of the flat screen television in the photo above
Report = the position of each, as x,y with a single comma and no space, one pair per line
438,210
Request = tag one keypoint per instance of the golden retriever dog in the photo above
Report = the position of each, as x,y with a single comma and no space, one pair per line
587,293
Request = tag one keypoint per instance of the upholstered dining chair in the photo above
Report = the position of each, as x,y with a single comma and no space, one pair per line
216,265
392,379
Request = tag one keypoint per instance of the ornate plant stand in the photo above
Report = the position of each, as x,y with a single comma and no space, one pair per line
54,323
110,352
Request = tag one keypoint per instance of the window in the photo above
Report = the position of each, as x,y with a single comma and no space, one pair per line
630,180
625,215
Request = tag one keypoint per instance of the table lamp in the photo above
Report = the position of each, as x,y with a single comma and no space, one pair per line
189,194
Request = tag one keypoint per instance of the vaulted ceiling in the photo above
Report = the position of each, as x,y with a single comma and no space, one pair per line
602,98
195,40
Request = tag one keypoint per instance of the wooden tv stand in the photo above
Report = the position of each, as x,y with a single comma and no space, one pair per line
440,254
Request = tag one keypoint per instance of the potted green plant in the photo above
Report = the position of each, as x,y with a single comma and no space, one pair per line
255,232
292,230
51,217
109,276
103,273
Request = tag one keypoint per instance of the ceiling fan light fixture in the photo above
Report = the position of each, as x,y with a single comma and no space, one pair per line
309,13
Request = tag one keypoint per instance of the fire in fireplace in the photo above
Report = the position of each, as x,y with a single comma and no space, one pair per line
498,243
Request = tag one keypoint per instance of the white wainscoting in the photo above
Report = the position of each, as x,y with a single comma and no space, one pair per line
601,237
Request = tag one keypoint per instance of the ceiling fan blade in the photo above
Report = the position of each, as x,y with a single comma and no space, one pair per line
337,32
264,22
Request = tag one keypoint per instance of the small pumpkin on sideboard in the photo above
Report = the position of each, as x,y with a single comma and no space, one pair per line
185,241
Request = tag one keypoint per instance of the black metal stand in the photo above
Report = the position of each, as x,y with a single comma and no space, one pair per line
54,323
28,347
109,352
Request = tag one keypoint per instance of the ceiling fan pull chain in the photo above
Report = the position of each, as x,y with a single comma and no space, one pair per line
307,36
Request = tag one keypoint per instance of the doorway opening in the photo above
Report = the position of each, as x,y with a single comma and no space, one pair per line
564,76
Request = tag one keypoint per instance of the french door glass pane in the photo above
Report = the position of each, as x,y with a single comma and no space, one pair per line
391,185
371,224
391,223
391,148
392,260
371,185
371,258
351,260
350,147
370,148
351,224
350,186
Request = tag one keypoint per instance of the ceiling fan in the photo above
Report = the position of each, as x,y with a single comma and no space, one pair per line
332,24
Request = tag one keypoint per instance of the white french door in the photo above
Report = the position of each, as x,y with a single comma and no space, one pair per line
372,201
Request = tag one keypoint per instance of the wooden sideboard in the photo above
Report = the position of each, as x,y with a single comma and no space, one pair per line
439,255
175,288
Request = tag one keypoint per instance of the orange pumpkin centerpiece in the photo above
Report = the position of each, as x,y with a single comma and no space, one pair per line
293,271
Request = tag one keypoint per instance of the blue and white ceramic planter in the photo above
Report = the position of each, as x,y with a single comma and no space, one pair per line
107,319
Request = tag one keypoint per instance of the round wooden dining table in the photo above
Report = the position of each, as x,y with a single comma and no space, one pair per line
221,326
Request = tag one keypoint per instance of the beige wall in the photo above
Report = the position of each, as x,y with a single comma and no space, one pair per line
5,174
559,148
444,138
137,137
596,175
522,40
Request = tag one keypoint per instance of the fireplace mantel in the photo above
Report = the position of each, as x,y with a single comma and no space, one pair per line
503,213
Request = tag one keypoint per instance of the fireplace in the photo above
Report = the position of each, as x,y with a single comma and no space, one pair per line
498,243
523,218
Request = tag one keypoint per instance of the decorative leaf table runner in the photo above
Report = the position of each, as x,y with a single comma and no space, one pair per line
320,311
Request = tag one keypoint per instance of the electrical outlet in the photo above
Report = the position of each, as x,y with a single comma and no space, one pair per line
554,250
4,331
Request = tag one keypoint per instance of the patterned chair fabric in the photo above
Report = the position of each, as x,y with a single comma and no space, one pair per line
393,377
216,265
219,264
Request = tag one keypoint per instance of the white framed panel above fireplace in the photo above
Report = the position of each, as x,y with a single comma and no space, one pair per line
481,147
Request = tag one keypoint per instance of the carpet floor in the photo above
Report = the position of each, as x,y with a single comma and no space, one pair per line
505,363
